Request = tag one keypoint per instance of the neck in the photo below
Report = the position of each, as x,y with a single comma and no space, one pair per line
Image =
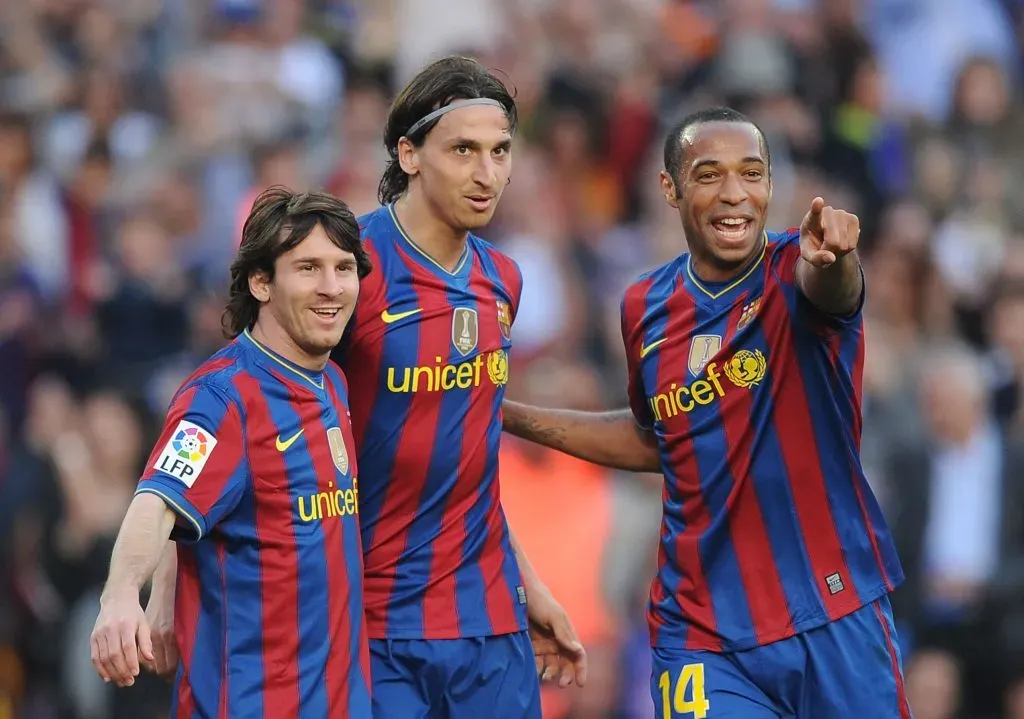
437,238
707,270
272,336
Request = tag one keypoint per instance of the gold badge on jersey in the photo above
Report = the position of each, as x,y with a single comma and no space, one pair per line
336,441
746,368
749,313
703,349
465,329
504,319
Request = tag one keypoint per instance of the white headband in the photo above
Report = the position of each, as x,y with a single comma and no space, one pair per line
454,105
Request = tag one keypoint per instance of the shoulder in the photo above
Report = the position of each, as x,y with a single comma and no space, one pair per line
336,376
783,248
215,378
502,261
655,283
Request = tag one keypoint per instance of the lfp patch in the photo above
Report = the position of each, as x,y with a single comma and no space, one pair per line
185,454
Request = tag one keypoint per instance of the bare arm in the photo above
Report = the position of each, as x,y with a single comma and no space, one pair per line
835,289
530,578
140,544
612,439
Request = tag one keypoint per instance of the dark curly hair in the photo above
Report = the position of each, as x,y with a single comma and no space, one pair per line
445,80
279,220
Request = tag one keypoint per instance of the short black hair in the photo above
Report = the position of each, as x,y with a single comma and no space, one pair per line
279,220
443,81
674,144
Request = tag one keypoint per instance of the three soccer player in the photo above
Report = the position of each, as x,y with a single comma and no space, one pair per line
744,361
256,478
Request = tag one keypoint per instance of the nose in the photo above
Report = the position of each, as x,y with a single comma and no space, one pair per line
330,284
485,171
732,191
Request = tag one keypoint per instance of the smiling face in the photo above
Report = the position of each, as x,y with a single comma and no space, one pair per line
722,196
462,166
305,307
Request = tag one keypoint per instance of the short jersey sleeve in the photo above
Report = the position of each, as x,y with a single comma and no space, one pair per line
198,466
784,257
632,341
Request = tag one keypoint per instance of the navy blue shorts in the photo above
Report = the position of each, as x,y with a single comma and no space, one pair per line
848,668
493,677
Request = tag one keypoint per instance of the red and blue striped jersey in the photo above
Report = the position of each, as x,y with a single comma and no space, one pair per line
427,357
257,459
769,527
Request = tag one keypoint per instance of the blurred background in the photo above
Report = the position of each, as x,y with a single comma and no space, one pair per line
135,133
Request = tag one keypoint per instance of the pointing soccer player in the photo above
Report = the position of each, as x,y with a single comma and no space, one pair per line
452,604
744,360
256,478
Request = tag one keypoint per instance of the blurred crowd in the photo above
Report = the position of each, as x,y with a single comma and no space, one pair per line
134,135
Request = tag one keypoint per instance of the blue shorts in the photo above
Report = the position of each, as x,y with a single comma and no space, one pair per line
492,677
848,668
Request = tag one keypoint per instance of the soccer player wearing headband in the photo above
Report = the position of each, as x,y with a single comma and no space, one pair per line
448,593
451,603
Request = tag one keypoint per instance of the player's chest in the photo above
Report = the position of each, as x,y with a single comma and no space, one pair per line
707,361
437,338
302,453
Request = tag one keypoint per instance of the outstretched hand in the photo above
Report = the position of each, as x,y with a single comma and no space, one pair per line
827,234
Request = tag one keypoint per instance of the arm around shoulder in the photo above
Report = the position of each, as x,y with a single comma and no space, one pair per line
612,439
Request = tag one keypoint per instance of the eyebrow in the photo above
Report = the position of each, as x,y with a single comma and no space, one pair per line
476,145
715,163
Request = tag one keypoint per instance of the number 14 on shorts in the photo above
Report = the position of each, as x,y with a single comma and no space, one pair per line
682,696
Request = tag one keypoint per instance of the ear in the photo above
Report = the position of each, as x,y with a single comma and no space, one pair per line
259,286
408,157
668,189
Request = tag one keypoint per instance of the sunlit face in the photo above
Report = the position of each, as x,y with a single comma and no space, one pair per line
463,166
723,195
312,295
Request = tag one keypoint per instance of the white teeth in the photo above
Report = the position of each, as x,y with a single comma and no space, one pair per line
733,221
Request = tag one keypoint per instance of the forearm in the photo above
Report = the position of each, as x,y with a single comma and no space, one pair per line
530,578
141,543
612,439
166,572
835,289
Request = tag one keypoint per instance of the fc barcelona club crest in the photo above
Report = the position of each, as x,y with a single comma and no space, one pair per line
505,319
703,349
336,441
749,313
465,329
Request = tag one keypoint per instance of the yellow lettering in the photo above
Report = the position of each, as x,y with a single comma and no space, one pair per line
323,505
312,510
427,372
448,373
465,375
702,392
355,492
336,499
391,380
681,400
662,406
712,373
477,364
350,502
437,377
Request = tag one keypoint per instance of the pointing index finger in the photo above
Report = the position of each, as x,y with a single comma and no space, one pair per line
817,205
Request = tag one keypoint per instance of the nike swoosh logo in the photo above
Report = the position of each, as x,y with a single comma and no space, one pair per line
389,318
282,446
644,351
